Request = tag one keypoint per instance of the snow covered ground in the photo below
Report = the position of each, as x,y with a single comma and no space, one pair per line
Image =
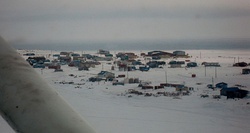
109,109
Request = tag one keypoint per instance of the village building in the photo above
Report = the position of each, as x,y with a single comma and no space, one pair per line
172,85
74,63
98,58
221,85
233,92
65,53
104,52
87,64
54,66
160,54
246,71
156,64
75,55
131,56
179,53
65,59
29,54
109,55
144,68
56,55
192,64
211,64
143,54
176,64
184,88
240,64
105,74
181,88
126,56
156,57
136,63
126,67
37,59
79,58
87,56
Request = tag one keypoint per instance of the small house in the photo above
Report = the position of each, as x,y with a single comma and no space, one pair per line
98,58
109,55
153,64
74,63
126,56
192,64
156,57
105,74
65,53
233,92
221,85
179,53
88,56
181,88
83,68
29,54
211,64
147,87
240,64
65,59
88,64
246,71
144,68
75,55
56,55
136,63
172,85
54,66
104,52
175,64
78,58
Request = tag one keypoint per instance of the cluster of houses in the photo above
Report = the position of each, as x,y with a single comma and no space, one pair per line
128,61
125,61
37,62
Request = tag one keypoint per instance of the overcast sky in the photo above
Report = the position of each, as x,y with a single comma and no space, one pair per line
36,21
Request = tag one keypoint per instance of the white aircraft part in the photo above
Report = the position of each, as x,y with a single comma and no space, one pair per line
28,103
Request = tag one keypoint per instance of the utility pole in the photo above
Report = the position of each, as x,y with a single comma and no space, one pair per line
205,71
215,74
166,75
127,72
213,82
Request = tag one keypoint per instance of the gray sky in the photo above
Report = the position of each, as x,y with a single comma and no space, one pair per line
36,21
